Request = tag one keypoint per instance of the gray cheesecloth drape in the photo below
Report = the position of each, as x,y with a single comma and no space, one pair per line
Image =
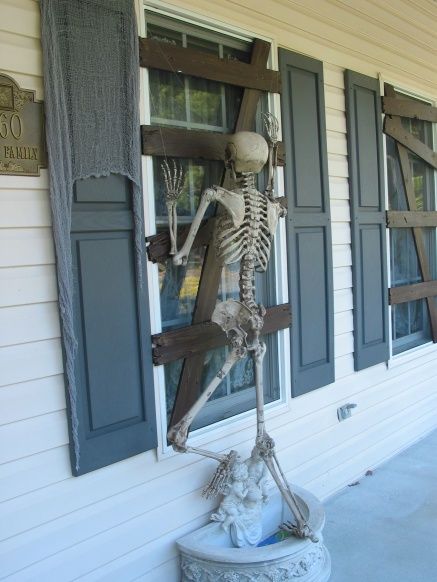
91,70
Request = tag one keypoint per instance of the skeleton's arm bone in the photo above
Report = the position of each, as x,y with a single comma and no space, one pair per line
208,196
178,433
173,226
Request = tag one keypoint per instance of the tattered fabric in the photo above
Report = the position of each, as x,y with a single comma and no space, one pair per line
91,70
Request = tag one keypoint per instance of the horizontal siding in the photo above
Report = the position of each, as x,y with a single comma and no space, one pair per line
15,328
20,247
121,522
20,363
33,398
27,285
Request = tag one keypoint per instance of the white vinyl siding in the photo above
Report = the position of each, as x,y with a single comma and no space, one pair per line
120,523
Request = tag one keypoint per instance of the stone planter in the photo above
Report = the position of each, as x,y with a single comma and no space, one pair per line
207,555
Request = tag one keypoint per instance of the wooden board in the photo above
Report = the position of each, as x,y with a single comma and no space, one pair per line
409,108
186,143
409,219
211,272
412,292
198,338
187,61
394,128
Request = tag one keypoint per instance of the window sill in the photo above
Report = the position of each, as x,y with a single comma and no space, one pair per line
411,355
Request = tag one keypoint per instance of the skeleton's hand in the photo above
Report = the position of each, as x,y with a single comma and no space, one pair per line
174,177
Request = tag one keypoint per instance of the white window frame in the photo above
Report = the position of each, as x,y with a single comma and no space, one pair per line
427,347
245,420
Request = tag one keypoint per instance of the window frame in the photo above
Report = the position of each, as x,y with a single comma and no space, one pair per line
416,350
208,433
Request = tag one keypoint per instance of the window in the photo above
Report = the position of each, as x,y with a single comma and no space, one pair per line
177,100
410,320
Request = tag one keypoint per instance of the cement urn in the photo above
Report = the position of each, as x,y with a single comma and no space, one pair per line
208,554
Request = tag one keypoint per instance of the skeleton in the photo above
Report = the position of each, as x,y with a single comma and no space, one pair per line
243,232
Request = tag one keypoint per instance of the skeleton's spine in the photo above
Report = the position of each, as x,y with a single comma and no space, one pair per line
247,282
247,265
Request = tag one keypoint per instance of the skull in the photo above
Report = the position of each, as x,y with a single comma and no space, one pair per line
247,152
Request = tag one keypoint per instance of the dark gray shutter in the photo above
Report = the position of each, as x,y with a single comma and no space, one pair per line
363,109
113,364
308,222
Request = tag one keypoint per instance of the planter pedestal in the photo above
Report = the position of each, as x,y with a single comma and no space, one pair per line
207,555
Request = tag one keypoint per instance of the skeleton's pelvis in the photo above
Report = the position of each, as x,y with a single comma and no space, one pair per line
231,315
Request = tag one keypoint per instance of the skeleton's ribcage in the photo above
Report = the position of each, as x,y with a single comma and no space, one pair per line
251,237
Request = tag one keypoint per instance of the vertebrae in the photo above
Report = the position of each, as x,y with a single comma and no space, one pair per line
247,282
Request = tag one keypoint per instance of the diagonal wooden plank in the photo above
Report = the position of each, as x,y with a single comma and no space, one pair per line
192,368
408,183
176,59
394,128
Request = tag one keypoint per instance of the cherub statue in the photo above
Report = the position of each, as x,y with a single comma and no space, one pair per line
243,233
240,512
231,507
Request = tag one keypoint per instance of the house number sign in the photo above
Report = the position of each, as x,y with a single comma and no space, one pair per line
22,143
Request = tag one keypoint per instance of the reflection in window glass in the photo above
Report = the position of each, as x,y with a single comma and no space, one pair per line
410,321
182,101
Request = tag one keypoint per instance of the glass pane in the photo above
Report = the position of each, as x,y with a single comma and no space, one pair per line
167,90
205,102
172,374
396,192
167,96
178,288
164,34
205,95
242,376
401,320
416,316
214,360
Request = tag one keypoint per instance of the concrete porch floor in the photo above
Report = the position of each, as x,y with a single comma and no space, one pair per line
384,529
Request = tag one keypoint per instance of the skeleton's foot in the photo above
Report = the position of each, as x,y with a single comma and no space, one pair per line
221,476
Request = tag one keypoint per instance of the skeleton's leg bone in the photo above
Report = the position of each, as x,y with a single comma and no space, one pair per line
267,449
287,486
178,433
258,357
301,528
181,257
